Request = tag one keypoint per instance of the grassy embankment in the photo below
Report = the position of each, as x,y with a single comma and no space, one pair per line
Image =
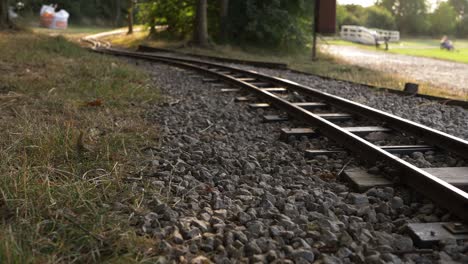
71,128
325,66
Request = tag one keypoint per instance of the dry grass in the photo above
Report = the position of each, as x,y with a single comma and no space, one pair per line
326,65
72,125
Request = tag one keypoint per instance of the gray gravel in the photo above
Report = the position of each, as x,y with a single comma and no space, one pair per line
450,119
220,187
446,118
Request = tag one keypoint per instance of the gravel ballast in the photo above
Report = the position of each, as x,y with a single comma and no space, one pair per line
450,119
222,187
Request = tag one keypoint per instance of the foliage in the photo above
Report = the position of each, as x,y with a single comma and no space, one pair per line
280,24
443,20
411,16
350,15
460,6
462,27
277,24
176,14
378,17
461,9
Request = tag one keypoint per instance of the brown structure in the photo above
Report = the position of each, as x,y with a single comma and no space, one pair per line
326,20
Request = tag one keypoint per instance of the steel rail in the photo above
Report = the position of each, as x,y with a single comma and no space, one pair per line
441,192
274,65
271,65
435,137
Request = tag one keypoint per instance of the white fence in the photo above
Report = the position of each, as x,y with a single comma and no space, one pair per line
368,36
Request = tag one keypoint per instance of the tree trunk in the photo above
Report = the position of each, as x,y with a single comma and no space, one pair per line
200,36
223,20
4,18
118,11
130,17
153,32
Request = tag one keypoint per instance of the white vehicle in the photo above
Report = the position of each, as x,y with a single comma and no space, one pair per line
368,36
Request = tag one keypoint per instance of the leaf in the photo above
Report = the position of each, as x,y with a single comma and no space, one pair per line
95,103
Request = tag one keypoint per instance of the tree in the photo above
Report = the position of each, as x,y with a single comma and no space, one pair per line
351,15
284,25
411,16
460,7
200,32
4,18
223,19
462,28
118,11
178,15
379,17
131,8
444,19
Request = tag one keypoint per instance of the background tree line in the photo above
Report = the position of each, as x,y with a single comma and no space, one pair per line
409,17
282,24
279,24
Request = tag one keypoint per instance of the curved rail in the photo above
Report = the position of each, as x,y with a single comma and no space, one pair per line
273,65
438,190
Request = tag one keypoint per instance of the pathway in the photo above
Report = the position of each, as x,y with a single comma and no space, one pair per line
451,75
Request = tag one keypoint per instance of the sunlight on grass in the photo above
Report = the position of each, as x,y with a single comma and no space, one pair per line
459,55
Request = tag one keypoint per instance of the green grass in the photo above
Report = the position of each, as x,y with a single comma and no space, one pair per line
72,29
73,32
418,47
71,130
430,49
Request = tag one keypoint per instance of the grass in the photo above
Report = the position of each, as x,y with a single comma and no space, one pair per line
71,130
73,32
326,66
420,47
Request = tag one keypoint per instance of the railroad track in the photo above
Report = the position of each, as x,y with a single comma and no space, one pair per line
284,66
314,110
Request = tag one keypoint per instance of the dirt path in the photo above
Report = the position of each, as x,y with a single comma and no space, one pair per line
451,75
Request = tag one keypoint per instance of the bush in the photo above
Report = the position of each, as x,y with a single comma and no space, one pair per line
278,24
443,20
378,17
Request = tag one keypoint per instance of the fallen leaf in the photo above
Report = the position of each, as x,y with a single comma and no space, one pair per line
95,103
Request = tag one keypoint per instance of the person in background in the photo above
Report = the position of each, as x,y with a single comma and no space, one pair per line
376,40
386,40
445,43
